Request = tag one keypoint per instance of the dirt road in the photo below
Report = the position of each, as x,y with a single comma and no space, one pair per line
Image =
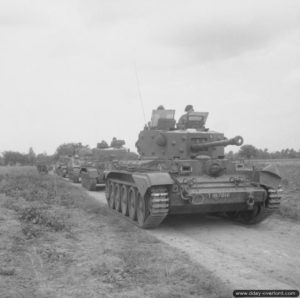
257,257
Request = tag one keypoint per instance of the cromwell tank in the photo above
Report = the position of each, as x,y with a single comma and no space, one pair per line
100,159
182,169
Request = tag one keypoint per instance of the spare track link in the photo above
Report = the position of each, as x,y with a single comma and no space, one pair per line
158,207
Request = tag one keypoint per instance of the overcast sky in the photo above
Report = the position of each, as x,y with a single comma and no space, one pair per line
67,69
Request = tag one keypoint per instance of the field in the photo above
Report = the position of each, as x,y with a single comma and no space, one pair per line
57,242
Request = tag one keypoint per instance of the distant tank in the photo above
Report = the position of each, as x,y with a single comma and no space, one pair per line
73,168
61,166
182,169
42,164
42,167
100,159
76,162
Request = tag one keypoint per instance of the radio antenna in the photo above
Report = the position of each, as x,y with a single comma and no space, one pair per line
139,91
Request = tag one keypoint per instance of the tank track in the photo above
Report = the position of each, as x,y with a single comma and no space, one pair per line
158,208
261,215
271,205
274,198
88,183
157,205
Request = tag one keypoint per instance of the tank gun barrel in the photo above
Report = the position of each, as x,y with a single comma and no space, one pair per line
237,141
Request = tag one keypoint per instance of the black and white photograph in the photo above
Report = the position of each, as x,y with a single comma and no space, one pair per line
149,148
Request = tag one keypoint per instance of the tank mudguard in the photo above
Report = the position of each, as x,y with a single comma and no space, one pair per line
270,177
105,174
145,180
92,173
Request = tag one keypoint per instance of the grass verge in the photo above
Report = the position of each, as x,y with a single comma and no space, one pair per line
59,242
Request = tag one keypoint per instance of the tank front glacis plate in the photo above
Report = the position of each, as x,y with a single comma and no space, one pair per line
207,194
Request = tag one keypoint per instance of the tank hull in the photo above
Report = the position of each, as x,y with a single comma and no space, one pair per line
231,193
199,198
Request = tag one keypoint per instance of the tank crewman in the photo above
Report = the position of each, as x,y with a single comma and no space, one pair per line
159,108
183,119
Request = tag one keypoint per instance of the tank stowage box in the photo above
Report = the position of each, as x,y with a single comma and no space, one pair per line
183,169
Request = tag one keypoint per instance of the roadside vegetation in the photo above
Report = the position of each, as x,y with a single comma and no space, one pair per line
56,241
248,151
290,172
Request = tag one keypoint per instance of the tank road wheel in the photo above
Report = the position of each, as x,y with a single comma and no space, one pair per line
132,202
257,215
124,200
111,202
118,197
142,210
108,190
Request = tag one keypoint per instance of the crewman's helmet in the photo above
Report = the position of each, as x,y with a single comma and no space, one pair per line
189,108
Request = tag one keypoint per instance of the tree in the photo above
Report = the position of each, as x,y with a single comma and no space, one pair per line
13,158
248,152
43,158
68,149
231,155
31,156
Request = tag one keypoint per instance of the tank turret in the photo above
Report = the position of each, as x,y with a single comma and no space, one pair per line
164,139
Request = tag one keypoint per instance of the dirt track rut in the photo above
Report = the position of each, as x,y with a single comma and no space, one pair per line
265,256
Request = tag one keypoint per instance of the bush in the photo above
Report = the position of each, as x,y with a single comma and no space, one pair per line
37,215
